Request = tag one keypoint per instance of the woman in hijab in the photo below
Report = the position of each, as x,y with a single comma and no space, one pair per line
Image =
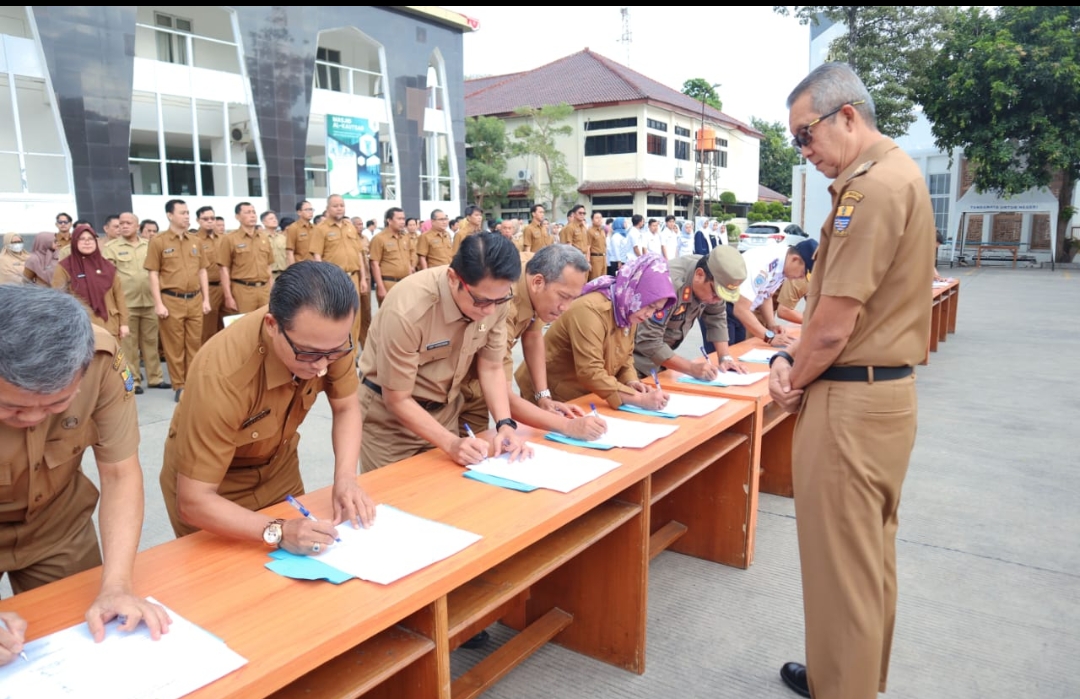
93,279
13,260
42,261
590,347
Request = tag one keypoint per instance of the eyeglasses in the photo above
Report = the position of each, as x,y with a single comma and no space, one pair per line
486,303
62,222
803,138
312,357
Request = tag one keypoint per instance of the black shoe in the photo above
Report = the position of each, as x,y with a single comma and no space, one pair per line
161,385
794,676
480,640
178,392
139,391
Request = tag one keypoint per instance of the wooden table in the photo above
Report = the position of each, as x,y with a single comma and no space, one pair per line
568,567
1014,249
946,301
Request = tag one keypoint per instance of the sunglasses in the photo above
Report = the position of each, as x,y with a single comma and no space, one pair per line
486,303
803,138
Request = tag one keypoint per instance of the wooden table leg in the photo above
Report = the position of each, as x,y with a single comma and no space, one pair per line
776,478
935,325
954,303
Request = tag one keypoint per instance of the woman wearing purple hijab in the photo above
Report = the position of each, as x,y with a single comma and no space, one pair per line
590,348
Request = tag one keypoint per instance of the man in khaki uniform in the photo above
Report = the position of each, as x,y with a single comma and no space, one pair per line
390,253
178,284
128,254
246,260
365,289
250,390
471,224
69,390
421,345
574,232
299,234
209,241
597,247
434,247
412,234
63,230
336,240
278,241
535,236
852,373
786,300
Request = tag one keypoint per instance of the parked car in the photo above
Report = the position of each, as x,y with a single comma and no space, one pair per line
757,234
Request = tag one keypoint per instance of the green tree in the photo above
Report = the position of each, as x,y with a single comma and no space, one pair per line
884,45
486,150
700,87
1005,87
536,138
777,156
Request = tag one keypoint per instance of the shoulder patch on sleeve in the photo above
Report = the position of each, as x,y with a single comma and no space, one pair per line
118,360
862,169
853,195
660,317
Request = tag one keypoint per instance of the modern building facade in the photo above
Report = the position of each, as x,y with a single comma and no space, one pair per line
106,109
633,143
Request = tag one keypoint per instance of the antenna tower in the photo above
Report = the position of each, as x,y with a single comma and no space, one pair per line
626,37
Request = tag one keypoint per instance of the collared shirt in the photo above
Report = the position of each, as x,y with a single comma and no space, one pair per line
574,233
278,241
337,242
209,244
393,252
684,244
653,242
597,241
637,240
658,337
670,240
535,238
621,248
177,258
764,272
422,344
465,229
435,246
37,463
129,258
877,247
247,255
241,404
298,239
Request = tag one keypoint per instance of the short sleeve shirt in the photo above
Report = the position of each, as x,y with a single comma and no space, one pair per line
436,247
298,239
209,243
177,258
535,238
465,229
393,252
574,233
247,255
597,241
337,242
129,258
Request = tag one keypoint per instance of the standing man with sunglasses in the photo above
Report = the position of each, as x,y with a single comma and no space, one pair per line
232,445
852,376
421,345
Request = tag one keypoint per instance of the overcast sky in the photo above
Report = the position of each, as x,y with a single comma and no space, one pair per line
756,55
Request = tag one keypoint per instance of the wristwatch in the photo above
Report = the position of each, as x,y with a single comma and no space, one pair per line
539,395
782,355
769,335
506,421
727,358
273,532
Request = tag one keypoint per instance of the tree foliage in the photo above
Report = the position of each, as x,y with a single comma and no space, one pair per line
768,211
777,156
1005,87
700,87
486,150
537,138
884,45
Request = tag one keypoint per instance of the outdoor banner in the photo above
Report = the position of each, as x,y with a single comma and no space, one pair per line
352,157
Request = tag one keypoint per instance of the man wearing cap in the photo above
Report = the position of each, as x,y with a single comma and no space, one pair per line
703,283
767,267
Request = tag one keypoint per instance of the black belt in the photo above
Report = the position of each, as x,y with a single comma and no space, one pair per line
247,283
428,405
865,373
391,279
180,294
214,283
596,254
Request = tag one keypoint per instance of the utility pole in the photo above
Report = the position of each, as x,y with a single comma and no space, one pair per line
626,37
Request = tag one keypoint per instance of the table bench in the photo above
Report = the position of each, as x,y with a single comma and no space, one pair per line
1010,248
943,310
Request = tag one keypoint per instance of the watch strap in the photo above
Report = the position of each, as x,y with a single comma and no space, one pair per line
506,421
784,355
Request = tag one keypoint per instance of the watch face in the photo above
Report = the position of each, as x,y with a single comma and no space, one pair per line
272,533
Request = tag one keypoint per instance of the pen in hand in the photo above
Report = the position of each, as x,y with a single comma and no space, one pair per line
656,379
705,354
304,511
594,413
22,654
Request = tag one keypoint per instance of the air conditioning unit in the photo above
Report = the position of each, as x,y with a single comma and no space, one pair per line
241,133
678,173
524,175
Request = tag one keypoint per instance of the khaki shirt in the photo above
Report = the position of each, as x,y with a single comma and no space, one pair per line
12,267
37,463
298,238
241,404
597,242
177,258
586,352
277,246
129,258
393,252
209,243
535,238
465,229
658,337
114,302
63,240
421,343
247,255
337,242
574,233
877,247
435,246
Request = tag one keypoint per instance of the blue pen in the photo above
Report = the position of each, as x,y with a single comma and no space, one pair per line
656,379
303,510
593,406
705,354
468,430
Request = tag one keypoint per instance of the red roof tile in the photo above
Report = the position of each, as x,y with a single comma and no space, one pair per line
607,186
766,194
582,79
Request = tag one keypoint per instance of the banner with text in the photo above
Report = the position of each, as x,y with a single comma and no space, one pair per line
352,157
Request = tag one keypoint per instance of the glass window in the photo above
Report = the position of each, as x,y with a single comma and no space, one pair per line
682,150
680,131
613,200
40,166
656,213
327,76
660,199
611,144
657,145
172,48
8,140
939,199
435,168
654,124
10,173
600,124
434,90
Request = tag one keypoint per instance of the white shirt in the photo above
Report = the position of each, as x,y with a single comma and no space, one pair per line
685,245
670,240
764,272
636,236
653,242
620,248
718,234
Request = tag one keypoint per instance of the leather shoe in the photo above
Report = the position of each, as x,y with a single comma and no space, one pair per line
178,392
479,641
163,384
794,676
139,390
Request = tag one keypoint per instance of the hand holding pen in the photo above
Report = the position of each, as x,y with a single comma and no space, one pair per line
306,535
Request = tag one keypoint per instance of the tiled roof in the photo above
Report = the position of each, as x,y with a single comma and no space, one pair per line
766,194
583,79
606,186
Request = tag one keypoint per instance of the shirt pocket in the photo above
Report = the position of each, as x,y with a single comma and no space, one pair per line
435,354
7,482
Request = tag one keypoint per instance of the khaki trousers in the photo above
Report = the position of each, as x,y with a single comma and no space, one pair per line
250,298
387,441
474,409
850,454
598,267
181,335
212,320
365,315
143,338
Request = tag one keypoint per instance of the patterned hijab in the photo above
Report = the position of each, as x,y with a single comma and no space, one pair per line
637,285
42,260
91,275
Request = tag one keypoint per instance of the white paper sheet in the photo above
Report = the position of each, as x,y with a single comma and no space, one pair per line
549,468
632,434
124,666
396,545
730,378
758,356
686,405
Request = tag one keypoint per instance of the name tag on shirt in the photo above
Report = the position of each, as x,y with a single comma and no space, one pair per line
437,345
